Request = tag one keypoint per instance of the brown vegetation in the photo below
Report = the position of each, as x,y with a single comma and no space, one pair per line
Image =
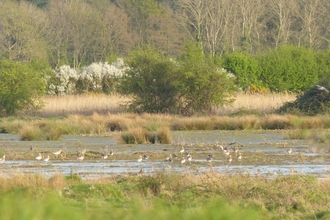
104,104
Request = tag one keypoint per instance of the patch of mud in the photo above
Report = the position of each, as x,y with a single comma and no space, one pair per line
263,153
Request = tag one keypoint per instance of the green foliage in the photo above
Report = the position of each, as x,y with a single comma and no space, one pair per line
21,87
288,69
245,68
160,85
323,64
151,79
202,83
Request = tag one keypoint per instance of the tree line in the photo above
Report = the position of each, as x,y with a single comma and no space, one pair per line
180,57
79,32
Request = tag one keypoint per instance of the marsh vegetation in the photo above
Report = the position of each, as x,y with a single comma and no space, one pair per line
192,191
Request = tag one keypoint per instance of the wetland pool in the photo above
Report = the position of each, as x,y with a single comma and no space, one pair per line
263,153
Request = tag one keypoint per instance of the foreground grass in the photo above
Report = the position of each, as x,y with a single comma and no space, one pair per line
163,196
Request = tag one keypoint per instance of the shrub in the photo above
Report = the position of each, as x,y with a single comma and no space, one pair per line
244,67
21,87
288,68
97,77
159,84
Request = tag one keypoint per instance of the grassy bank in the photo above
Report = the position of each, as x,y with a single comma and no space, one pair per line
163,196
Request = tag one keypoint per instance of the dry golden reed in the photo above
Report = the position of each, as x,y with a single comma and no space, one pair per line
103,104
265,103
86,104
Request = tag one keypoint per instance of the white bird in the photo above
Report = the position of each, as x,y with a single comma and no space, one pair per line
189,158
139,159
182,150
104,155
2,159
56,153
169,158
239,157
47,158
80,157
182,161
321,88
39,157
230,159
289,150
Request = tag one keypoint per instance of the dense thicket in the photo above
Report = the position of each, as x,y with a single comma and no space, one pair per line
159,84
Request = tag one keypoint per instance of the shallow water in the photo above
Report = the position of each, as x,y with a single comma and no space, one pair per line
262,154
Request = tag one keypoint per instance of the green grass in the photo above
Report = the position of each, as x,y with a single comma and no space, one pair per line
165,196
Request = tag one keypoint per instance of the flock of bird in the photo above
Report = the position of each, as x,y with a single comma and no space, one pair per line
187,158
226,151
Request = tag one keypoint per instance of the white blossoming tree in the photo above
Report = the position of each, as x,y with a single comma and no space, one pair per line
97,77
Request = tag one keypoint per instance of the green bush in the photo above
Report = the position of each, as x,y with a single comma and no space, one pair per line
151,79
245,68
202,83
159,84
288,69
21,86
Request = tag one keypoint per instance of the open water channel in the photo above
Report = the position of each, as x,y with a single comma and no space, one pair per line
263,153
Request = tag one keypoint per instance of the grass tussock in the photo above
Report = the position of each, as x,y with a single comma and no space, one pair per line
136,128
140,135
135,136
298,134
211,195
272,122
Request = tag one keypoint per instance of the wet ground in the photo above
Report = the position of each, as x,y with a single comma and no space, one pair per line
263,153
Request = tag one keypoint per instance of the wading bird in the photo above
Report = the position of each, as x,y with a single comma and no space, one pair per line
230,159
239,158
189,158
47,159
39,157
182,161
2,159
80,157
104,155
139,159
169,158
56,153
209,158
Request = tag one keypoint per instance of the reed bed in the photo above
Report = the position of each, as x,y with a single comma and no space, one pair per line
85,104
263,103
103,104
